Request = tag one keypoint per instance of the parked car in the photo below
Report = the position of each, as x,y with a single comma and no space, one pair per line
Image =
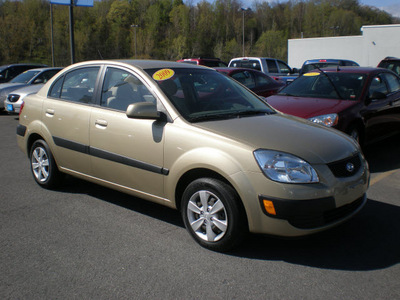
258,82
391,63
15,99
275,68
8,72
312,64
193,139
204,61
362,102
29,77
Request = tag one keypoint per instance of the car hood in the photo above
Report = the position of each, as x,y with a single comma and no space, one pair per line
6,88
308,107
29,89
314,143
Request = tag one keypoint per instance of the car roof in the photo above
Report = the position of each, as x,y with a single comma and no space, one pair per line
253,57
141,64
45,69
326,60
391,58
16,65
343,69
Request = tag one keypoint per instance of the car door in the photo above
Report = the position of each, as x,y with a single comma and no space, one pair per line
126,152
382,114
66,114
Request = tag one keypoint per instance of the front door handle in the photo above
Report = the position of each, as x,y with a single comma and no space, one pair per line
101,123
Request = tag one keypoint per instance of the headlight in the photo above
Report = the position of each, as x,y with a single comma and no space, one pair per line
284,167
327,120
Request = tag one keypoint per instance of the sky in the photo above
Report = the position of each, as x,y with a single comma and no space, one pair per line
390,6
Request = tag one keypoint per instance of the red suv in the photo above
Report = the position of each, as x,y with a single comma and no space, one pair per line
209,62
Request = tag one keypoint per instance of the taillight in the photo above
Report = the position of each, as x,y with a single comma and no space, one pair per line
21,107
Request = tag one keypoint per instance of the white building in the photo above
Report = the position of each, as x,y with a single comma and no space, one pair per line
368,49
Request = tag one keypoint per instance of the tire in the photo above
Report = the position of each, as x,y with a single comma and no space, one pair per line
213,214
43,166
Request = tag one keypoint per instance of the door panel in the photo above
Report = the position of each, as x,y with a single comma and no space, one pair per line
127,152
67,116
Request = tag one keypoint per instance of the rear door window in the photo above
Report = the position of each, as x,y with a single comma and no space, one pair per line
77,85
272,67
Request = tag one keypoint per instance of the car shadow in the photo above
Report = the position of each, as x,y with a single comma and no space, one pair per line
369,241
154,210
384,155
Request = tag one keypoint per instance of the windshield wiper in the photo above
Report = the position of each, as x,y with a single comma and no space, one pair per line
210,117
236,114
286,94
252,112
331,82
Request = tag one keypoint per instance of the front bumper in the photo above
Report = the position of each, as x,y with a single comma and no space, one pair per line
311,214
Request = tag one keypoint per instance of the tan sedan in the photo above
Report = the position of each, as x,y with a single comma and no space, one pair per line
190,138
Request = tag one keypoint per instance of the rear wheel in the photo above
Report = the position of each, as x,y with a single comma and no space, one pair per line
43,166
213,215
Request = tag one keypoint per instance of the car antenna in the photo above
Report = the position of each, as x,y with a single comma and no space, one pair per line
331,82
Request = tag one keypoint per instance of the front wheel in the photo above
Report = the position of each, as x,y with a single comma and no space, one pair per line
213,215
43,166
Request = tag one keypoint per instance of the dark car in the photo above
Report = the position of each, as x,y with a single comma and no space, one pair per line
312,64
204,61
8,72
258,82
362,102
391,63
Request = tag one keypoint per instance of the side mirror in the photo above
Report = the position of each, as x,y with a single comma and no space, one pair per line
143,110
295,70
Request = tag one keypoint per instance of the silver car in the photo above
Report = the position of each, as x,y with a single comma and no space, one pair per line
29,77
15,99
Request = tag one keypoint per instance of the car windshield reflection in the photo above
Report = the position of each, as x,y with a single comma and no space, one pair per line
203,95
345,86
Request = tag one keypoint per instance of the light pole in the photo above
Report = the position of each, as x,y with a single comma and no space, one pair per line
134,28
244,9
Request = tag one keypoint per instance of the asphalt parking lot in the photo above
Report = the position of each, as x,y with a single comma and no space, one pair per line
84,241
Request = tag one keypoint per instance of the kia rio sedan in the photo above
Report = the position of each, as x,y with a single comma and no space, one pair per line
193,139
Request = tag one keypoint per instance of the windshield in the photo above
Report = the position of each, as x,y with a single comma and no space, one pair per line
25,77
201,95
346,86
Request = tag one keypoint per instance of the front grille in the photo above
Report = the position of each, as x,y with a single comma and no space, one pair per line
327,217
13,98
347,167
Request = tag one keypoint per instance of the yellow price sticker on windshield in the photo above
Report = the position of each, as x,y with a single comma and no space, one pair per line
163,74
312,74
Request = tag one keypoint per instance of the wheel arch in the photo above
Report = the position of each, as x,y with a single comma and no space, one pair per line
198,173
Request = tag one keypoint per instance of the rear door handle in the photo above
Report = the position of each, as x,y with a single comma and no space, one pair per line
50,112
